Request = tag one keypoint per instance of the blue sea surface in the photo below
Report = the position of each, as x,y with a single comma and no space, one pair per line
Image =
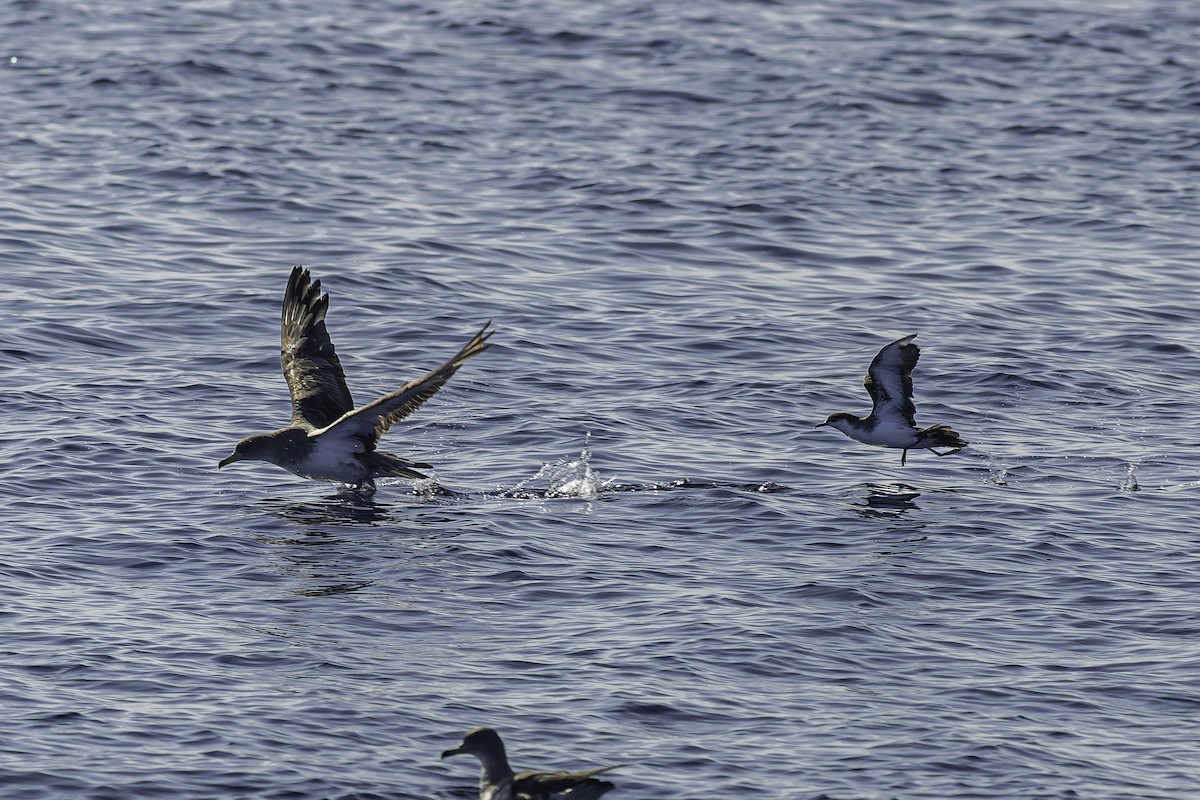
693,225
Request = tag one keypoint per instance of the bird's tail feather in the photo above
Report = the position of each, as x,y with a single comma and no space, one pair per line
940,436
386,465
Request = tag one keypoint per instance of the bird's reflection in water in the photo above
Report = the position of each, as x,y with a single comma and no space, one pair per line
334,589
888,500
344,508
350,506
340,544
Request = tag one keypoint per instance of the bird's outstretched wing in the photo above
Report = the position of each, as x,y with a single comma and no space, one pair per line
539,785
310,365
889,380
372,420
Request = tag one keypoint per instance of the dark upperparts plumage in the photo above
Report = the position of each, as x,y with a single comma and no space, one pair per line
310,364
499,782
889,379
368,422
547,785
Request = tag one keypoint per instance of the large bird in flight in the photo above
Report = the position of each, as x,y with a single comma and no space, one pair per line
330,439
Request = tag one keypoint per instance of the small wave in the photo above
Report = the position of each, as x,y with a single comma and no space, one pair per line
1178,487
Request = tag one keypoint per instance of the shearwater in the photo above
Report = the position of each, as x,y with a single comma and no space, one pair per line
330,439
499,782
891,422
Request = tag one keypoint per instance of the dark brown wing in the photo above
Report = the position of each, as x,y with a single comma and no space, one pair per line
889,380
544,785
371,421
310,365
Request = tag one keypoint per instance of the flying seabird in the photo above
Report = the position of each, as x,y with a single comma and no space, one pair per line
499,783
891,423
329,438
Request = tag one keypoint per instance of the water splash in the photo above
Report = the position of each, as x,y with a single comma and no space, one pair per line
1130,484
567,477
430,489
997,472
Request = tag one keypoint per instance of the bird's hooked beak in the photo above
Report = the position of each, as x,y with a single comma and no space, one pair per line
457,751
821,424
232,457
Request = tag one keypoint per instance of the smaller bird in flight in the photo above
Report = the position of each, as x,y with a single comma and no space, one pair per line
891,422
330,439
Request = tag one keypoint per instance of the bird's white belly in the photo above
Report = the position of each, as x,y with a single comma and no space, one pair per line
884,435
332,461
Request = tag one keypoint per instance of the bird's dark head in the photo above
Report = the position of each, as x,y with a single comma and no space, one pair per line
484,744
838,420
260,447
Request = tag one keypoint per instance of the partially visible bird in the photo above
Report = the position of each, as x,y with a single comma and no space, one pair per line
891,422
329,438
498,782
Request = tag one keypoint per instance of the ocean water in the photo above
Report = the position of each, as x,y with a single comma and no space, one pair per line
693,225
